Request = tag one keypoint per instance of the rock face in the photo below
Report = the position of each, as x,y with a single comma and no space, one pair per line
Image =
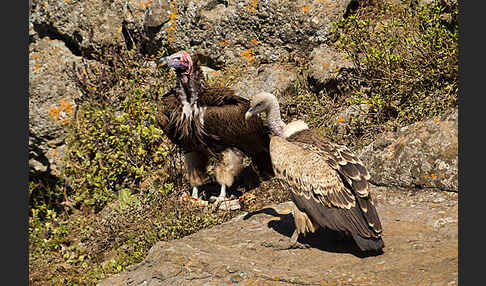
421,248
263,31
226,30
51,102
422,155
84,25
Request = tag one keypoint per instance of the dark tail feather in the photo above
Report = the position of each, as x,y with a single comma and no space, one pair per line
369,244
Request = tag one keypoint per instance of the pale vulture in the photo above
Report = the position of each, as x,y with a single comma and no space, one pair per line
329,184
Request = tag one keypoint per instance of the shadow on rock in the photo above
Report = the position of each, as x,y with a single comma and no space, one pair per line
323,239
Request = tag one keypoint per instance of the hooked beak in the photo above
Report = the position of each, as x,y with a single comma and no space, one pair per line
164,61
249,113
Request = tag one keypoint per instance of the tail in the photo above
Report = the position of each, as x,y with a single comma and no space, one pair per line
369,244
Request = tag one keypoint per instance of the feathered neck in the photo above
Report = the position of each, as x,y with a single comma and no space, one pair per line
189,86
274,119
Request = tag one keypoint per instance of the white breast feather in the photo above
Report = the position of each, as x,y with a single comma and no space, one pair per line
294,127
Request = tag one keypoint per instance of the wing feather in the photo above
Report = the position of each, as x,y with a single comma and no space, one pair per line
322,190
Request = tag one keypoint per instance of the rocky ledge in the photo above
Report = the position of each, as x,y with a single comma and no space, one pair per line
421,248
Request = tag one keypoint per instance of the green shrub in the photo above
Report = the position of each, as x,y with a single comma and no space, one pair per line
114,140
405,57
405,70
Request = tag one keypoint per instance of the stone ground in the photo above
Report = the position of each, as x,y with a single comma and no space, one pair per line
421,248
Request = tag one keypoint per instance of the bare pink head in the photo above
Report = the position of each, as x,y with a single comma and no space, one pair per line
181,62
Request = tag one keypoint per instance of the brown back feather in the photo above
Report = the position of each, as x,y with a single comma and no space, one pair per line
354,176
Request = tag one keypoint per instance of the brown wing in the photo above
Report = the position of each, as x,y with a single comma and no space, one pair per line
353,172
321,191
227,122
220,96
339,157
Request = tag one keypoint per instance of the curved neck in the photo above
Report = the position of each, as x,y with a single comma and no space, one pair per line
274,119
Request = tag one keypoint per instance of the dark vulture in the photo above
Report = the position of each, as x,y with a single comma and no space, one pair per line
210,122
329,184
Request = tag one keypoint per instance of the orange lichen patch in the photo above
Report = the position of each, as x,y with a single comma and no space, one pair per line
340,120
119,30
247,54
172,19
224,43
144,4
305,8
221,84
66,1
55,112
433,176
254,41
325,65
37,66
34,57
252,6
65,105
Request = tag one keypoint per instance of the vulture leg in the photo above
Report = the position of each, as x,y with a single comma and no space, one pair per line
222,193
230,165
303,224
196,164
195,191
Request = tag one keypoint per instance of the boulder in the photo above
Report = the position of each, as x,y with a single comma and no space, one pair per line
421,248
51,102
272,78
86,26
422,155
326,65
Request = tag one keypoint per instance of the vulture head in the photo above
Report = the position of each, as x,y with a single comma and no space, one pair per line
181,62
261,102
